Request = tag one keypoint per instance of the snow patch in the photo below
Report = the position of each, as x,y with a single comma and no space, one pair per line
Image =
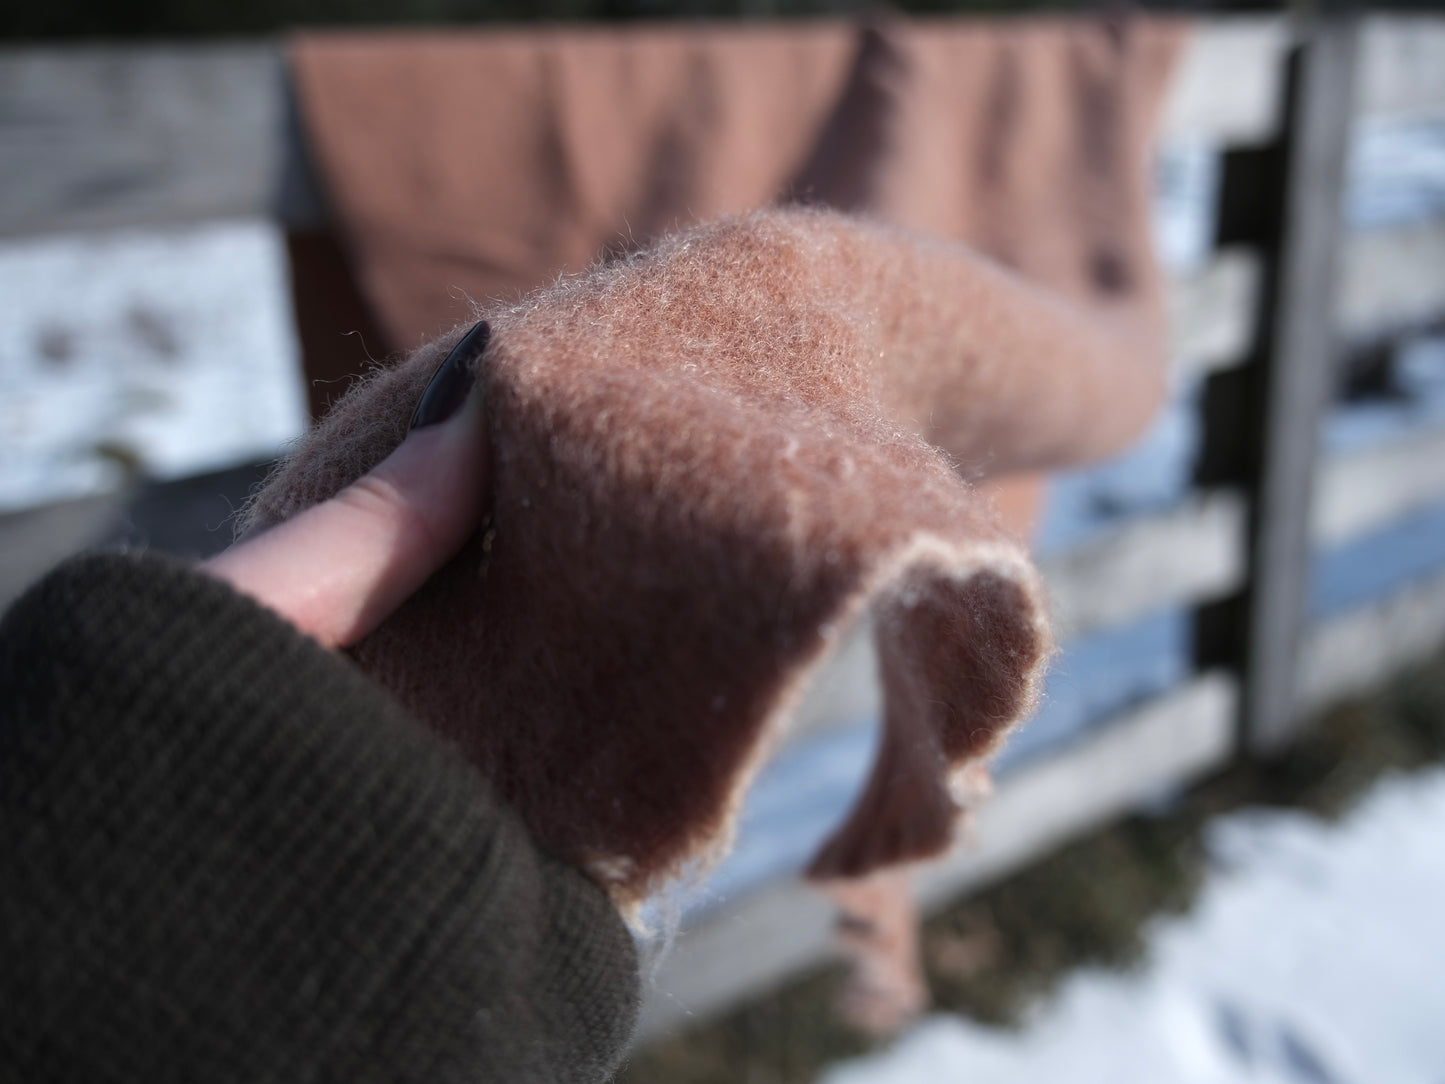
1313,956
152,353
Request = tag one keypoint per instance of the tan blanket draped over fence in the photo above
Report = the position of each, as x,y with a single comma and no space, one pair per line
714,451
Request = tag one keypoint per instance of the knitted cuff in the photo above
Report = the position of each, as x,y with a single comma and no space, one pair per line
226,855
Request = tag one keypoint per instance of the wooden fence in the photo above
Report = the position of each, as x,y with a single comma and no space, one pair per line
104,137
1263,323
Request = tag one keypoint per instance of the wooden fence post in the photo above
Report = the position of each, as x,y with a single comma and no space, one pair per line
1264,424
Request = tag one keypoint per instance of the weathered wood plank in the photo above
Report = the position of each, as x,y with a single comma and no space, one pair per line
1141,755
35,540
133,135
786,928
1388,280
1352,653
758,942
1297,375
119,136
111,136
1358,493
1212,313
1393,278
107,136
1189,554
100,137
846,690
1228,85
1402,66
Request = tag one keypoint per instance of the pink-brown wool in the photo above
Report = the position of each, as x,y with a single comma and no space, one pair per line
709,457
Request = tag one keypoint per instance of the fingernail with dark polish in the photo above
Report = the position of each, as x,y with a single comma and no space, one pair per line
452,380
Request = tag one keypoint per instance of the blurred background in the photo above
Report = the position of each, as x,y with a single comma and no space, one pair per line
1252,600
79,19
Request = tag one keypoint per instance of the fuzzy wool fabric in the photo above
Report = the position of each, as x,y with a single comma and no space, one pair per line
716,448
709,458
480,164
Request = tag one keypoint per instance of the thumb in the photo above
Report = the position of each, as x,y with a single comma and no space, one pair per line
339,568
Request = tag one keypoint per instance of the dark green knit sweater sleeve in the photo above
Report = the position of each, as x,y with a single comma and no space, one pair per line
226,856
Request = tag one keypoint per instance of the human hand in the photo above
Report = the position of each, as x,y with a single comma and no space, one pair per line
339,568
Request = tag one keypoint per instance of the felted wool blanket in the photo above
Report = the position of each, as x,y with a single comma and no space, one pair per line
713,451
481,164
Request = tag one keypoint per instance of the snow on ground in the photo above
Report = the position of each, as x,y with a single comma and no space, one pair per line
163,353
1314,955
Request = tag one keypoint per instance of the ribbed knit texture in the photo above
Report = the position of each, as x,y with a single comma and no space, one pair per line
225,855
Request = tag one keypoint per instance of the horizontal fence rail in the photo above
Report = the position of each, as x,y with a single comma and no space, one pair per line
121,136
1212,313
1358,493
1182,557
1360,649
107,136
785,928
1392,278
